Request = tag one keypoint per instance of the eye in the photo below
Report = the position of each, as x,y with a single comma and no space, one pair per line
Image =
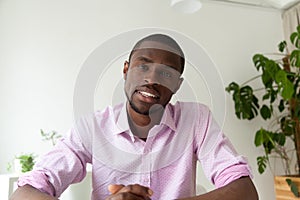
143,67
165,74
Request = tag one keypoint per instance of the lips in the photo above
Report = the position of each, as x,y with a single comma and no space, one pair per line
147,94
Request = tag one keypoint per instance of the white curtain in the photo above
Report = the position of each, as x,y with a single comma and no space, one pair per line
291,19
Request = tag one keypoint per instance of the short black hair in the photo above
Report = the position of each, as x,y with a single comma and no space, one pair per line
164,39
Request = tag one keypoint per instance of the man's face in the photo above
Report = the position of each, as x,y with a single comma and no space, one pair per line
152,76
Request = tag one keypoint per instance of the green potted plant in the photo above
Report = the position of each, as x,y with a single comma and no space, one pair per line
277,101
24,162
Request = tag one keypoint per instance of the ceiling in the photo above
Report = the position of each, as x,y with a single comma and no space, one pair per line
276,4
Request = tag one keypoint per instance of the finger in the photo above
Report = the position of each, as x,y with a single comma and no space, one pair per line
114,188
137,189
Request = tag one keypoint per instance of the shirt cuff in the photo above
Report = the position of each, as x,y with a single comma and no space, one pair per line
38,180
232,173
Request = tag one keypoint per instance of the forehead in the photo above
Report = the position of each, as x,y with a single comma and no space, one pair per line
157,45
158,53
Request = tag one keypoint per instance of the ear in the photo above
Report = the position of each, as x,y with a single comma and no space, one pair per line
125,69
178,85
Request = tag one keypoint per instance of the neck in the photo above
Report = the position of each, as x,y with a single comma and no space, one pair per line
141,124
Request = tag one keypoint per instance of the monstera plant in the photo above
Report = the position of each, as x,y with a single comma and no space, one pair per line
276,100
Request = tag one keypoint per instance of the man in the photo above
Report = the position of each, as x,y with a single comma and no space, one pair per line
145,148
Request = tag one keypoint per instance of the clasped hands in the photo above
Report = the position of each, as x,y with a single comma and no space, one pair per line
129,192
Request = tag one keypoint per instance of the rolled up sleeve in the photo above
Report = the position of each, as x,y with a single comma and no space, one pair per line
219,159
62,166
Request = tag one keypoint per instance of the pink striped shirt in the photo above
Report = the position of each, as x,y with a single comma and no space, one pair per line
166,162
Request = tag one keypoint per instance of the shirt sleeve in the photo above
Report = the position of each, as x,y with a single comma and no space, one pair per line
219,159
63,165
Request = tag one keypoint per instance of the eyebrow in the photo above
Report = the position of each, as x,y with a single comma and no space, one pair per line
149,60
145,59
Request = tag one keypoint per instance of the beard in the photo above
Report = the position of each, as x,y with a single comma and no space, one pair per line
134,107
147,112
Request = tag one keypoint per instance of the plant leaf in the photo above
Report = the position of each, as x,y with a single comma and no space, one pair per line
295,38
281,46
265,138
280,138
232,87
259,61
265,112
285,85
295,58
262,136
266,96
273,95
271,68
267,79
261,163
245,102
259,137
287,90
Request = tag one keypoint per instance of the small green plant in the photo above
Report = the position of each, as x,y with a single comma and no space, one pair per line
27,162
52,136
9,166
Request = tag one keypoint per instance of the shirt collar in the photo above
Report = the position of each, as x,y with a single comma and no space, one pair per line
168,117
122,119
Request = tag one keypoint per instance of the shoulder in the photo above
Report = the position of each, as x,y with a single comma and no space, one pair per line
191,114
100,116
86,127
99,121
109,111
190,108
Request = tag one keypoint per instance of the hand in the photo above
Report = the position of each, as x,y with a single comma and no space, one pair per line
129,192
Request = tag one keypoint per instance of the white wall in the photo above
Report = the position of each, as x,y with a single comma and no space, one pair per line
43,45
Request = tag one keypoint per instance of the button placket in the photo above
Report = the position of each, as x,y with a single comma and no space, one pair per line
147,163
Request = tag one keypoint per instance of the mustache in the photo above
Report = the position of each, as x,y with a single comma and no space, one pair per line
148,86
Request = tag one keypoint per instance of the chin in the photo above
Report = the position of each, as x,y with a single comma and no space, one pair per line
138,110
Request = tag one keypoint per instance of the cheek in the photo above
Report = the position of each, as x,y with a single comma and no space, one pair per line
129,86
133,80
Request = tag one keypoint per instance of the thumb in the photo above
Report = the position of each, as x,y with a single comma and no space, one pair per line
114,188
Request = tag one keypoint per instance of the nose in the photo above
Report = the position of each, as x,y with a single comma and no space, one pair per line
152,77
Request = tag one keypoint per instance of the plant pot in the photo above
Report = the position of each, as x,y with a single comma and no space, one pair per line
283,190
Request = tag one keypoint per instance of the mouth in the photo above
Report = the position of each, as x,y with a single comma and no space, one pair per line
148,94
